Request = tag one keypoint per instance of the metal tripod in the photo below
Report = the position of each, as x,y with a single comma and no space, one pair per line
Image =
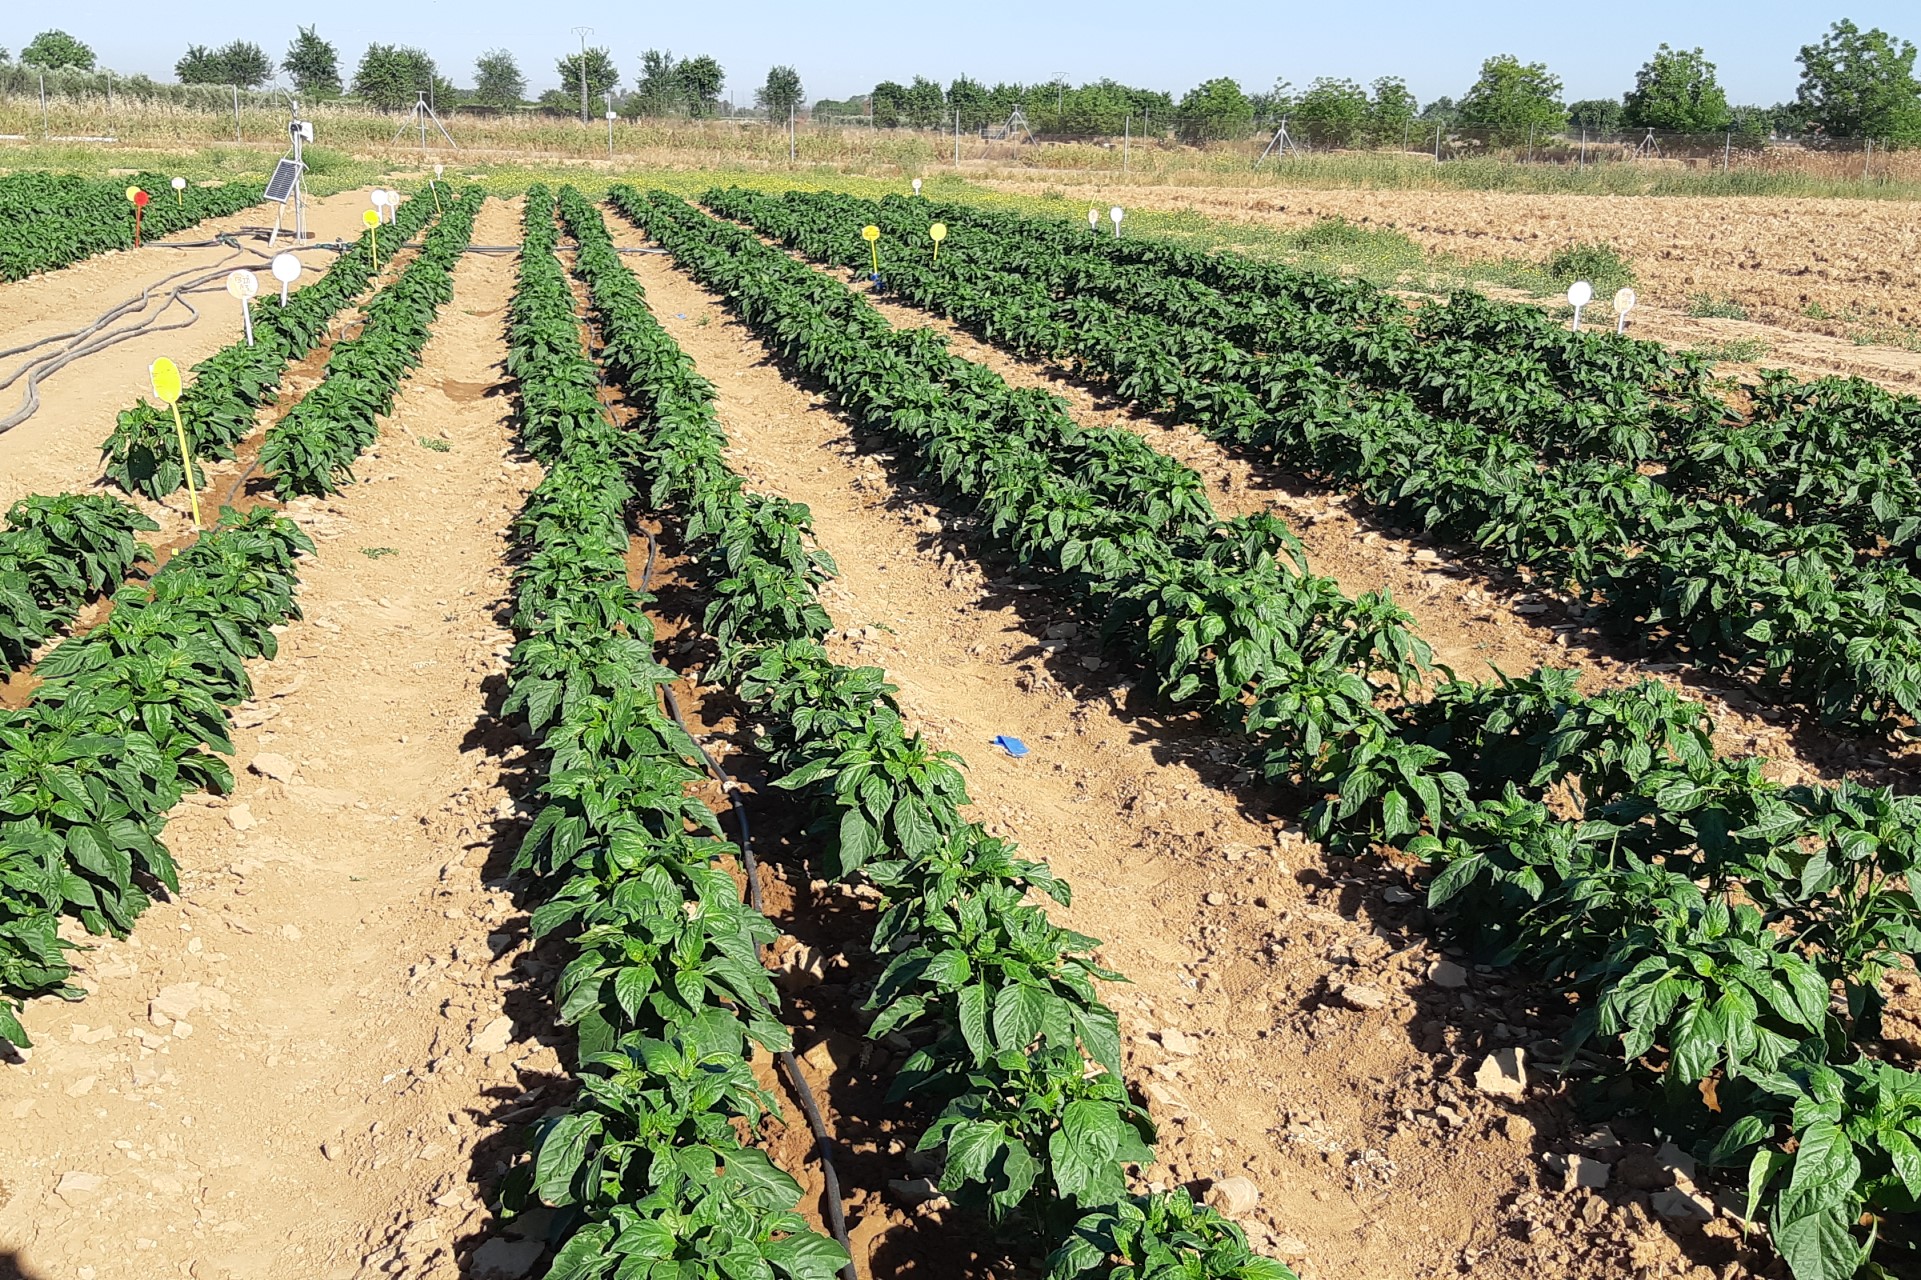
419,117
1281,142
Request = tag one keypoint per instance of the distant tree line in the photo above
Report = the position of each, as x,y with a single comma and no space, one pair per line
1854,83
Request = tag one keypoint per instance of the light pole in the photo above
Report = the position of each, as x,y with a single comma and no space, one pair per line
583,33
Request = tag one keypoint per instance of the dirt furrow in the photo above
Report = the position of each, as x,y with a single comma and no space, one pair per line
1287,1019
1479,619
292,1069
59,447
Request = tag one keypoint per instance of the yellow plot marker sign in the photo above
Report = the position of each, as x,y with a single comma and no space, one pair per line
871,234
372,219
937,233
166,385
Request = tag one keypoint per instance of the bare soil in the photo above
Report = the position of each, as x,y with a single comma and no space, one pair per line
296,1068
1855,262
45,454
1253,1023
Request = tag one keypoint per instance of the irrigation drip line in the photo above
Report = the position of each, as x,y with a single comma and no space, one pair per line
88,340
823,1141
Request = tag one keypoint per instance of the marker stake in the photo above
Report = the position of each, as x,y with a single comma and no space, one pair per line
871,234
286,269
243,285
937,233
165,376
1579,294
372,219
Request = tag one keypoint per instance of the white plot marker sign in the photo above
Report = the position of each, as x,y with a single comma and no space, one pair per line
1624,301
1093,219
179,185
244,285
1116,214
917,186
1579,294
286,269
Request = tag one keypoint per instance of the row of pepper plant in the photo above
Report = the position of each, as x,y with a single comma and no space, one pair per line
127,722
56,553
225,391
1831,450
1015,1051
1723,936
312,449
646,1167
48,221
1791,606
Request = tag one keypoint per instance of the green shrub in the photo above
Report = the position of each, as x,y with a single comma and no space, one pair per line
1601,265
1705,306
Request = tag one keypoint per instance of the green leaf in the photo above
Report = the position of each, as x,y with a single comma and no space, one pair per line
562,1151
1019,1011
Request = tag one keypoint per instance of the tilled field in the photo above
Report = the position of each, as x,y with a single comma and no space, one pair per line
321,1056
1811,274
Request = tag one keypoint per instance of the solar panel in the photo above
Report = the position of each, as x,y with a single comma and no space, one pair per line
281,185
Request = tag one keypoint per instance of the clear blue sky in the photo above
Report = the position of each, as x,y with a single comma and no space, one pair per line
842,49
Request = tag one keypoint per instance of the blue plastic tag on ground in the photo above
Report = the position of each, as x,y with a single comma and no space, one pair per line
1012,746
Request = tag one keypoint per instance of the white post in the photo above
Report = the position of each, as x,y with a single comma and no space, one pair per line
43,106
792,156
1727,151
109,90
1127,133
1437,144
957,137
236,113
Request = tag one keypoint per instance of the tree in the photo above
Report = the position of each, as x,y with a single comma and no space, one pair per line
1754,123
925,104
1442,111
1332,113
313,63
1676,90
497,80
1216,109
781,95
1600,114
1273,106
593,66
241,62
1861,83
1514,100
389,77
970,98
889,104
1390,116
837,110
657,92
700,80
199,65
55,50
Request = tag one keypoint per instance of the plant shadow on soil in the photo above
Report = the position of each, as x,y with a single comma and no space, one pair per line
1454,1034
872,1138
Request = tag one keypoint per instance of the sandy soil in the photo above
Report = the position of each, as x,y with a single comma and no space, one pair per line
1285,1021
44,454
292,1070
1857,260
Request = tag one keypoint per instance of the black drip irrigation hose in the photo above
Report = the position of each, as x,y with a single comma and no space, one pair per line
823,1141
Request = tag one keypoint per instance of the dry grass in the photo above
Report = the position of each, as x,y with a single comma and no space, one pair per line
370,137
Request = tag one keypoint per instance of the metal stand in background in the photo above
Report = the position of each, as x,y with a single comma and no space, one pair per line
1016,122
287,182
1280,143
419,117
1648,149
